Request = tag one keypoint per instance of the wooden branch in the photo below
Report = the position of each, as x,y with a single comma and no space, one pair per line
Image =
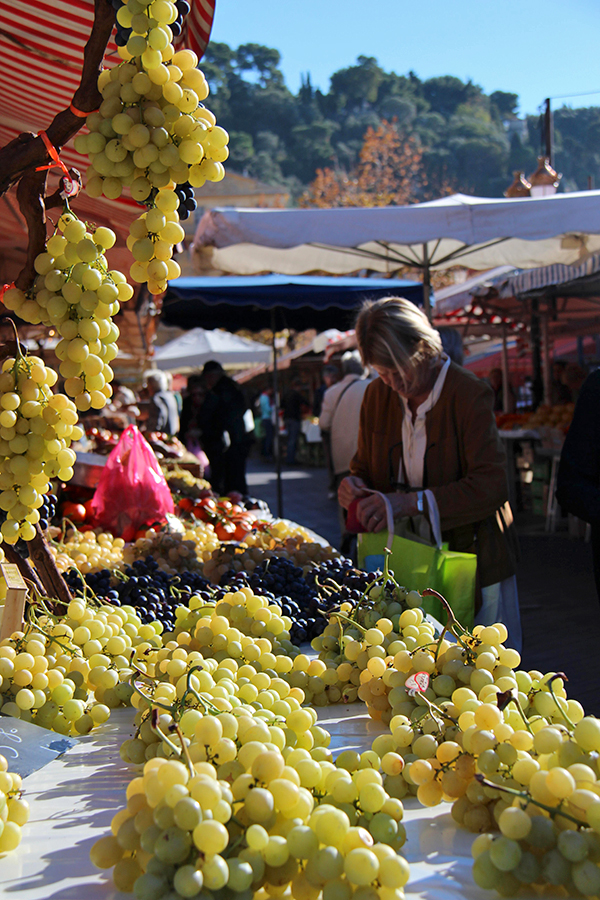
27,151
54,584
30,196
28,573
33,203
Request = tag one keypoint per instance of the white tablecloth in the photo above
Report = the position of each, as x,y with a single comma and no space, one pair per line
74,798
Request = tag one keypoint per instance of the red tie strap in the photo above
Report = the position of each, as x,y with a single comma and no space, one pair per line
79,112
56,163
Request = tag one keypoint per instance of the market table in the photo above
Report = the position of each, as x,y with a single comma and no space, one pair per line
74,798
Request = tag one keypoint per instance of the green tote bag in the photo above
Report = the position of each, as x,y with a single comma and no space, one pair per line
417,565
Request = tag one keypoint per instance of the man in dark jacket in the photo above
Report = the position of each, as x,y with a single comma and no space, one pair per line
227,430
578,486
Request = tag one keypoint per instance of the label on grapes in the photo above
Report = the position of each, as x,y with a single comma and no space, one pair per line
28,747
417,683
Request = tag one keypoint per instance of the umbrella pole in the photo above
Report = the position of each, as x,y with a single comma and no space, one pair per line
276,438
505,383
546,360
426,283
536,353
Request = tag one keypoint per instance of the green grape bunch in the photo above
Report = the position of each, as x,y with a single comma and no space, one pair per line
151,134
36,430
77,294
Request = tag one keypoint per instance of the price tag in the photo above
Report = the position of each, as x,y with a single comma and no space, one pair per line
417,683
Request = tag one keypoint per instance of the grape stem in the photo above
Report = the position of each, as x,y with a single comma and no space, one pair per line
514,699
18,352
563,677
527,798
208,706
452,624
433,706
156,728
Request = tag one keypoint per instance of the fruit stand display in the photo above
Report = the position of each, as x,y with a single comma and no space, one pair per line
213,751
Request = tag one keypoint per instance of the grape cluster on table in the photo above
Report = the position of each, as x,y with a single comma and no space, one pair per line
306,599
145,586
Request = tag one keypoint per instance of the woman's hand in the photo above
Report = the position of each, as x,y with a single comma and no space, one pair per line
371,511
350,489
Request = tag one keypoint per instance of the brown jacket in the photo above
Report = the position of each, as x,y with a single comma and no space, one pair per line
465,466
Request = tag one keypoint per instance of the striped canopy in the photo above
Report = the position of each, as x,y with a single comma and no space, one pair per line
41,47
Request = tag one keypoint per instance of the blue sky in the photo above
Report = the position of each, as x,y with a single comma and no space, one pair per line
534,49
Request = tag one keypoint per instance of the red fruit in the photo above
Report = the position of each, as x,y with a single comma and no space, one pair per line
225,531
186,504
76,512
241,530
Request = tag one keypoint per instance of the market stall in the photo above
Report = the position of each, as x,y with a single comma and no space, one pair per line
477,232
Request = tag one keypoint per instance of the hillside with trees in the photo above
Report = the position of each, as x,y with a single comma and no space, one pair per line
444,135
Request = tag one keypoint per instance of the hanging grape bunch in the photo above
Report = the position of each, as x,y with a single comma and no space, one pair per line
153,135
36,430
77,294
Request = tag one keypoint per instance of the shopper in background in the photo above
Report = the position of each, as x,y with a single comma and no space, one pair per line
578,485
330,376
124,401
559,392
194,424
496,381
176,394
292,404
352,370
452,343
160,412
427,423
228,429
267,416
344,441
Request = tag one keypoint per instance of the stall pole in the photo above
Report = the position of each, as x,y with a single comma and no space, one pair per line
505,383
426,283
276,438
546,361
536,361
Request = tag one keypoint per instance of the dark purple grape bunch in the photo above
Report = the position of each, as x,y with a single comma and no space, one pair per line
47,510
183,8
123,34
187,201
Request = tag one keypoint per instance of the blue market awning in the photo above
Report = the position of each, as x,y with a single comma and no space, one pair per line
300,302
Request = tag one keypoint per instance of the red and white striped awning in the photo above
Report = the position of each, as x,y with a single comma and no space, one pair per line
41,48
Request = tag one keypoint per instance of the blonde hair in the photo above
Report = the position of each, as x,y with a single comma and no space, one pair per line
394,334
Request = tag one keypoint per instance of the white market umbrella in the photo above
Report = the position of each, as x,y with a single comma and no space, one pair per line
194,348
476,232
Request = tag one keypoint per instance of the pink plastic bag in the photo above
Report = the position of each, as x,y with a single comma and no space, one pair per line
132,491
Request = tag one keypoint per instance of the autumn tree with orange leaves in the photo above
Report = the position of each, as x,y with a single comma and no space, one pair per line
389,173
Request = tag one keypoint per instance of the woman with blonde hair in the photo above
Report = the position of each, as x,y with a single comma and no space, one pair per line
428,424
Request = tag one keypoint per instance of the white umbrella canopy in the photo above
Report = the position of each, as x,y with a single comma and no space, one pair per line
477,232
194,348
